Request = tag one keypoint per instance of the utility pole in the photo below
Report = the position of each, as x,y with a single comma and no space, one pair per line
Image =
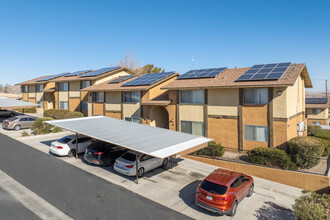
326,88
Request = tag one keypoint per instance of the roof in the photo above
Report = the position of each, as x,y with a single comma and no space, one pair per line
13,103
145,139
118,86
33,81
10,95
316,102
227,78
222,176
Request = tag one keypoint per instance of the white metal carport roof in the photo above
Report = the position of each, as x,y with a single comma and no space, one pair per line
14,103
156,142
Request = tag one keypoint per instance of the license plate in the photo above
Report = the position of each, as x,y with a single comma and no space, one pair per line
209,197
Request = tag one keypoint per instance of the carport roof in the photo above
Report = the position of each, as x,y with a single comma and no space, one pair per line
153,141
14,103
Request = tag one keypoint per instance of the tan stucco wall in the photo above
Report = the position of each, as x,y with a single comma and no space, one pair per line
292,125
113,101
323,122
98,109
32,100
74,104
116,115
280,132
191,113
294,96
32,91
280,103
156,91
131,110
90,104
74,89
224,131
49,85
121,73
39,96
323,115
223,102
63,96
25,96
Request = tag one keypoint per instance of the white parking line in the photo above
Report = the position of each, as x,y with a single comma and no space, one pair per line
30,200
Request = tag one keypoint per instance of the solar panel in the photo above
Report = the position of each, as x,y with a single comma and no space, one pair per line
121,79
202,73
77,73
148,79
100,71
271,71
316,100
52,77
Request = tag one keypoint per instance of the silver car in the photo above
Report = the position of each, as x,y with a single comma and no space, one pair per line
18,122
126,164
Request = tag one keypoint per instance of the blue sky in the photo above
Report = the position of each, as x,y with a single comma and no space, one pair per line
40,37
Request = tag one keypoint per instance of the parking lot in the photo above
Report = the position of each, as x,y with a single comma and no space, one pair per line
175,188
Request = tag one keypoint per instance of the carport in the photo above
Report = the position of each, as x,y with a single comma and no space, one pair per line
9,103
143,139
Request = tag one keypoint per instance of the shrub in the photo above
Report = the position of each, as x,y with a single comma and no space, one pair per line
312,206
213,149
28,110
323,134
25,133
40,127
306,151
271,157
312,129
62,114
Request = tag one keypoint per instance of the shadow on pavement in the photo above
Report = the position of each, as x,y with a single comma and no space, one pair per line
271,210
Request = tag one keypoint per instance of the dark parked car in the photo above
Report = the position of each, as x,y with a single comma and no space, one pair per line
102,153
18,122
5,113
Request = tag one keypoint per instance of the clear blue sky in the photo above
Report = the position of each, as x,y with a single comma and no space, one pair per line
48,37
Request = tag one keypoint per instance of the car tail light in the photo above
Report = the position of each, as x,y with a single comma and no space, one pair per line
116,162
59,147
98,153
7,123
129,166
224,198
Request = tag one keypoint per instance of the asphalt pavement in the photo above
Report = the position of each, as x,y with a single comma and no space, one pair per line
75,192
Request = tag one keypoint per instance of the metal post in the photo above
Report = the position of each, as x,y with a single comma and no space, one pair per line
137,168
23,111
171,163
76,145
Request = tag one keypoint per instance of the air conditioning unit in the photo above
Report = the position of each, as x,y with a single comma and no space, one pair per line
300,126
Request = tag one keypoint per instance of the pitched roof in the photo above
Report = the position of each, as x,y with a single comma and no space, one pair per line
227,79
317,102
33,81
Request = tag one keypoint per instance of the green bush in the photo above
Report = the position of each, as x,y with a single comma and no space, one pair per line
213,149
312,129
28,110
25,133
323,134
306,151
39,127
312,206
271,157
62,114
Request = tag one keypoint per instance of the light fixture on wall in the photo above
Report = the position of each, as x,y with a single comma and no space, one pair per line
171,121
279,92
90,94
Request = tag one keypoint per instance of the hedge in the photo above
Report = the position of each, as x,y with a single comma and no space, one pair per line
312,129
271,157
62,114
316,131
213,149
28,110
40,127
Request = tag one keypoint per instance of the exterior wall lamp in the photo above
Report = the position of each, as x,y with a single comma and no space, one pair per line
279,93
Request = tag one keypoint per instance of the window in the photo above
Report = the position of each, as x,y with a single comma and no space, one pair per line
23,119
64,105
316,111
145,157
192,127
256,96
316,123
85,84
213,187
238,182
98,96
132,97
192,96
40,104
25,88
84,106
256,133
40,88
32,119
133,119
64,86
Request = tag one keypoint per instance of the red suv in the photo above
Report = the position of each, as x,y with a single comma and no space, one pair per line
222,190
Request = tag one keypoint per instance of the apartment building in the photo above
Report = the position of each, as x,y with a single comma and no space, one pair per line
317,111
242,108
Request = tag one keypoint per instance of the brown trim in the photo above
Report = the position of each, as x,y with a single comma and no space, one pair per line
205,109
223,116
270,118
122,104
113,111
240,120
178,97
289,118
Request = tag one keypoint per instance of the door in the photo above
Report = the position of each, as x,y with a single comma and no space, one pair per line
146,162
237,186
24,122
30,121
246,183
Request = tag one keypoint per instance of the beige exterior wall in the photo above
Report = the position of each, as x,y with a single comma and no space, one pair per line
90,104
74,89
324,114
32,91
279,103
294,96
156,91
131,110
223,102
39,96
191,113
121,73
113,101
63,96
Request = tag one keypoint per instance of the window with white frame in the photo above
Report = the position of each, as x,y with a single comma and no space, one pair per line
25,88
133,119
63,86
316,123
258,96
132,97
98,96
192,127
84,106
40,88
192,96
256,133
316,111
85,84
64,105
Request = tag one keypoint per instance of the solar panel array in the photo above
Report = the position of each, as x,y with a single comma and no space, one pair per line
148,79
77,73
121,79
202,73
264,72
100,71
316,100
51,77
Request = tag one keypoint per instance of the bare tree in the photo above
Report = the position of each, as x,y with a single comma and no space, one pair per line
131,63
7,88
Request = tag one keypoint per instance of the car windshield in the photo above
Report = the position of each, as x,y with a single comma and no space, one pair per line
64,140
129,156
213,188
11,119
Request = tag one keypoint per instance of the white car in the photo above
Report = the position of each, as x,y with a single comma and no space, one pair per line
126,164
66,146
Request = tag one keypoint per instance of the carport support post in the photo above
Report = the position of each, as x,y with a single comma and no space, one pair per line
76,145
137,168
171,162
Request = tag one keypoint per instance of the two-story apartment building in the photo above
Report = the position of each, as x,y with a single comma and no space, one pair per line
317,111
242,108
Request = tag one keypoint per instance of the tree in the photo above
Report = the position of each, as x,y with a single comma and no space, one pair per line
131,63
150,68
7,89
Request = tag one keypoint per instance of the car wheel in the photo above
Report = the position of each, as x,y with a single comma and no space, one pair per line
165,162
72,153
108,162
141,172
17,127
233,209
251,190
